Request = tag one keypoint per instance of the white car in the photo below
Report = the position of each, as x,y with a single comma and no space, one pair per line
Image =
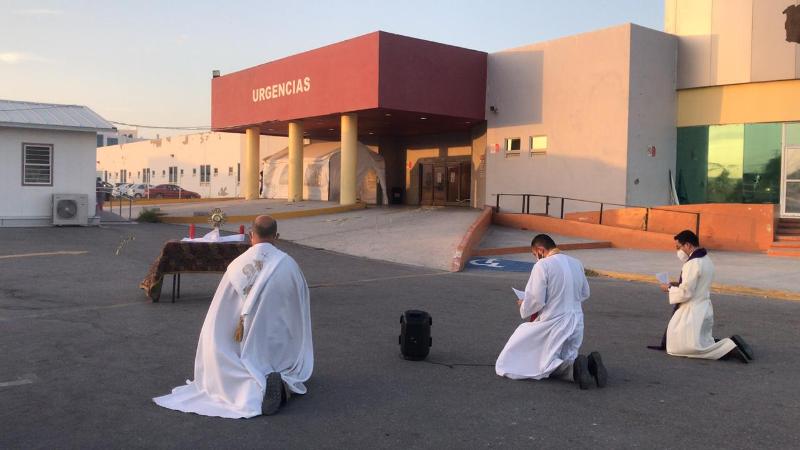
120,189
138,190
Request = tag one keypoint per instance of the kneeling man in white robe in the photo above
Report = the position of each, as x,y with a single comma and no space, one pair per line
689,332
547,344
255,346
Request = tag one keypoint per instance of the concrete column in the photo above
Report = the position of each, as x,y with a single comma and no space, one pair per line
295,161
349,158
252,154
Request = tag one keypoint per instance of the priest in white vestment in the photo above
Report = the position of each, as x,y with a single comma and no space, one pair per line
689,332
547,343
255,346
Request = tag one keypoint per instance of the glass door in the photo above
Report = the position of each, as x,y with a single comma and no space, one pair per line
790,192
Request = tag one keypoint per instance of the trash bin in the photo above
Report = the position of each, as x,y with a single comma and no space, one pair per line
397,196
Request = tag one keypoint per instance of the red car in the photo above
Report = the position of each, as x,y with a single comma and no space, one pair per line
169,191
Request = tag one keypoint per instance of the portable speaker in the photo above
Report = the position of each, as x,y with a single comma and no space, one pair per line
415,334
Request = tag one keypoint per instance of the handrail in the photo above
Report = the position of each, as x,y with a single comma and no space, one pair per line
526,207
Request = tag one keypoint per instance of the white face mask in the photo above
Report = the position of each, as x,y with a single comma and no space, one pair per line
682,256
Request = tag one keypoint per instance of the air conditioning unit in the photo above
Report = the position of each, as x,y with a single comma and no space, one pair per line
70,209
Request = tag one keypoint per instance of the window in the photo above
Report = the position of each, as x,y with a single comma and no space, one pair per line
538,144
216,171
112,141
725,163
99,140
238,172
163,173
146,175
37,165
513,144
230,171
194,172
123,176
205,173
173,174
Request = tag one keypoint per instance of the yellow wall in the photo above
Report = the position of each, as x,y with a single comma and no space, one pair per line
774,101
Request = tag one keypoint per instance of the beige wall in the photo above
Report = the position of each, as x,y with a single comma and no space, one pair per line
651,117
601,101
574,91
220,150
731,41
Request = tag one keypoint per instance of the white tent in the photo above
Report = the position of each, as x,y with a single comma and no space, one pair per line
321,174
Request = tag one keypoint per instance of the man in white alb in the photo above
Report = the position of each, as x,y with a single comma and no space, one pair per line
547,344
689,332
255,346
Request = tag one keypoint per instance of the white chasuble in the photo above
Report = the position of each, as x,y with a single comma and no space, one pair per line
265,289
689,330
556,288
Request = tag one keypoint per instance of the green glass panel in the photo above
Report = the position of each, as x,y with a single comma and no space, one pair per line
762,163
692,164
793,134
725,163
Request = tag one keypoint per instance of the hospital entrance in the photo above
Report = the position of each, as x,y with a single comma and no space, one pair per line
445,181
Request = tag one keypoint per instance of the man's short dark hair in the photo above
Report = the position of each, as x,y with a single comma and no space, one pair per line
267,232
687,236
544,241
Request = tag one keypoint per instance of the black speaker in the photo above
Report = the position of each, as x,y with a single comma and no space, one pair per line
415,334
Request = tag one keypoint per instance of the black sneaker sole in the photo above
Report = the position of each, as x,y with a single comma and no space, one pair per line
580,372
597,369
272,398
748,352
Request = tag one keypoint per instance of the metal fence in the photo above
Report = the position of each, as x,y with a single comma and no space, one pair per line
524,207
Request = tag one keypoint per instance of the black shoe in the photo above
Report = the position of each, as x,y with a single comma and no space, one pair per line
580,372
737,353
597,369
273,394
748,352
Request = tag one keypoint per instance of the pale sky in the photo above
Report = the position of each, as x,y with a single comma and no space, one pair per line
150,62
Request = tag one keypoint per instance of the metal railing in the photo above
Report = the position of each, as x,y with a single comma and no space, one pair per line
525,203
109,198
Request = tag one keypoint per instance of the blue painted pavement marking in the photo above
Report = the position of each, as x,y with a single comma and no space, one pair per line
497,264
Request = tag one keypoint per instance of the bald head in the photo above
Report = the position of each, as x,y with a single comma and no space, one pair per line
265,229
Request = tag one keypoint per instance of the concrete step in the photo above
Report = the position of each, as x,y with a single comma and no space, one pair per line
788,231
786,244
784,224
494,251
789,220
786,237
784,252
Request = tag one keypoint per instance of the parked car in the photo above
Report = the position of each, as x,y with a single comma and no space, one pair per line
138,190
169,191
120,189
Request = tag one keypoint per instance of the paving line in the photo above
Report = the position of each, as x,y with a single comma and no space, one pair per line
27,255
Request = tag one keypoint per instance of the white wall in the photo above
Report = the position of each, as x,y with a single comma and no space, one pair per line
220,150
575,91
651,116
73,173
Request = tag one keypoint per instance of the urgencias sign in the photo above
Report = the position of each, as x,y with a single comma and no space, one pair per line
278,90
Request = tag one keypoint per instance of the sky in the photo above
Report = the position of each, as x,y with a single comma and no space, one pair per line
150,62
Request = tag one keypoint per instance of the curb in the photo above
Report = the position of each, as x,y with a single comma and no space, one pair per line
470,239
275,215
512,250
717,288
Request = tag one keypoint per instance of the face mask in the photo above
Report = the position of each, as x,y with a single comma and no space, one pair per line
682,256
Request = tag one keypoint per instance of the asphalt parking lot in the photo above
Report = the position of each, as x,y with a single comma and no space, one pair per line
84,351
